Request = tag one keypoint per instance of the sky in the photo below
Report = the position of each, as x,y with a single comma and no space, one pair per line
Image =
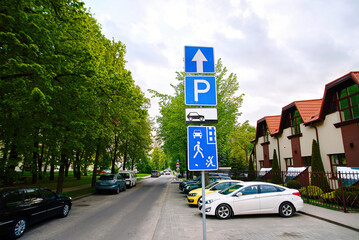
281,50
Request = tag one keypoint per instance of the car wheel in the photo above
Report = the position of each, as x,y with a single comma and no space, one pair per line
199,201
19,227
201,119
286,209
223,211
65,210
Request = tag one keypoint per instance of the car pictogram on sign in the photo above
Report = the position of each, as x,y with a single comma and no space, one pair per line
194,115
197,133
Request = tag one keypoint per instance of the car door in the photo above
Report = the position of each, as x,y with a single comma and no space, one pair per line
247,201
53,206
270,198
35,204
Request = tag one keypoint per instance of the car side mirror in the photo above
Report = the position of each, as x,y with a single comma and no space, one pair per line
238,194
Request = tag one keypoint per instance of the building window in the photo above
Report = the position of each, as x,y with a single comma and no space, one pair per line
288,162
348,102
337,160
265,132
295,121
261,164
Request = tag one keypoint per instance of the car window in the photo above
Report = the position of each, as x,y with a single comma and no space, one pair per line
13,198
119,177
230,189
48,194
106,177
267,189
249,190
221,186
125,175
211,185
33,195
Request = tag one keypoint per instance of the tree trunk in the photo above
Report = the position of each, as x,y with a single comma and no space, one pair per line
97,156
114,155
124,158
67,165
52,172
35,159
39,165
60,180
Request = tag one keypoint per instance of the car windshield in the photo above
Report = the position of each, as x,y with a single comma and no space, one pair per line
125,175
106,177
230,189
211,185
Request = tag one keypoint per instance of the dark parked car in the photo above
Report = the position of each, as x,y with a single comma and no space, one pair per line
194,115
111,182
20,207
212,179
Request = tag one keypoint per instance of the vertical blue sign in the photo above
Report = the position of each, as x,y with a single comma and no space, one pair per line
198,60
202,148
200,90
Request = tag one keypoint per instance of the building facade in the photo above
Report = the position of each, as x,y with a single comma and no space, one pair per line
333,121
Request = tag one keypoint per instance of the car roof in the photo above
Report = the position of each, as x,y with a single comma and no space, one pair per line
238,181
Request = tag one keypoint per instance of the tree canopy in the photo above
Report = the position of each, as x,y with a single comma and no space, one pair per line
172,129
65,94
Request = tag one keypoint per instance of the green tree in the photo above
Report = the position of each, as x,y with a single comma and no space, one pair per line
172,130
318,177
275,173
240,145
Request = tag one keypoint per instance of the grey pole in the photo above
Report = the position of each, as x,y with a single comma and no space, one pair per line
204,205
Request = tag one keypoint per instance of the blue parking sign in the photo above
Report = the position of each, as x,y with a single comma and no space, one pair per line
202,148
200,90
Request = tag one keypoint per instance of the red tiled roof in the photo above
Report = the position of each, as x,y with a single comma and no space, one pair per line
309,110
273,123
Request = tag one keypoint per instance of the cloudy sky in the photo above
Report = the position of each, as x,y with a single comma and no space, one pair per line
281,50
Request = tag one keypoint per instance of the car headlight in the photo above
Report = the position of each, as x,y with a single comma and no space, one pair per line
113,181
211,200
187,187
192,194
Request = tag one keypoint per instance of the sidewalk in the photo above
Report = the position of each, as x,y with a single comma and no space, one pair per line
348,220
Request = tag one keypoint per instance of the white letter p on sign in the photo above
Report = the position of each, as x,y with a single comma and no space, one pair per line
196,90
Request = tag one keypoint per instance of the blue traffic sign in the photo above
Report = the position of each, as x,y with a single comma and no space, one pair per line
198,60
202,148
200,90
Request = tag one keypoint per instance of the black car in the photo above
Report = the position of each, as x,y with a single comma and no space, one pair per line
20,207
194,115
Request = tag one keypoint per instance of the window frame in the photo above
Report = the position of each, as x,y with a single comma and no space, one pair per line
348,97
294,122
333,167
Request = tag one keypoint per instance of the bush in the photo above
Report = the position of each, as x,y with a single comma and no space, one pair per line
294,184
351,196
313,191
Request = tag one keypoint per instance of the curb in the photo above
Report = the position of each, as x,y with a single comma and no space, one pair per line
330,221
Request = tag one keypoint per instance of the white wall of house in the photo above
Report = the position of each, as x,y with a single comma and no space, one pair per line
285,147
259,150
272,146
306,141
330,138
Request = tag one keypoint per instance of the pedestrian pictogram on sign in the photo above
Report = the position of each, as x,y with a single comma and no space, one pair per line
202,148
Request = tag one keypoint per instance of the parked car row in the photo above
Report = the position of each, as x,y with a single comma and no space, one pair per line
226,198
116,182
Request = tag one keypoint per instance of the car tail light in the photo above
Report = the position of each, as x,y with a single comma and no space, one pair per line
297,194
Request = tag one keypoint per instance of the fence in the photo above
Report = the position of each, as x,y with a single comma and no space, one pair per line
336,191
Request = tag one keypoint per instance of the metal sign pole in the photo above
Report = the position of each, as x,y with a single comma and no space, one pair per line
204,205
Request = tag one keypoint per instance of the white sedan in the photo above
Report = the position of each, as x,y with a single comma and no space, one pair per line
253,198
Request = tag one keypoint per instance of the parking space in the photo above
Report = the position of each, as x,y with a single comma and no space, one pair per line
180,221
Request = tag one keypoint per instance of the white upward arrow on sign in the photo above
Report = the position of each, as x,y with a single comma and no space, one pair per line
199,58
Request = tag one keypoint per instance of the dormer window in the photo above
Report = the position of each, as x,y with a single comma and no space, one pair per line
265,133
295,121
348,102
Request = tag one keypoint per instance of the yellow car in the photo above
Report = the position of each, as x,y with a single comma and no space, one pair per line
196,194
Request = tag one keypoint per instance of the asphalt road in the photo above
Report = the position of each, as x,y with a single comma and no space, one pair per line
155,209
132,214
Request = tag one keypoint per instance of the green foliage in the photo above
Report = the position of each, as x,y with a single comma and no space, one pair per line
318,177
251,172
64,91
294,184
172,130
313,191
240,145
275,173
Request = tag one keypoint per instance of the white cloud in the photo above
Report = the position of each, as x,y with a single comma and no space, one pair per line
281,50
